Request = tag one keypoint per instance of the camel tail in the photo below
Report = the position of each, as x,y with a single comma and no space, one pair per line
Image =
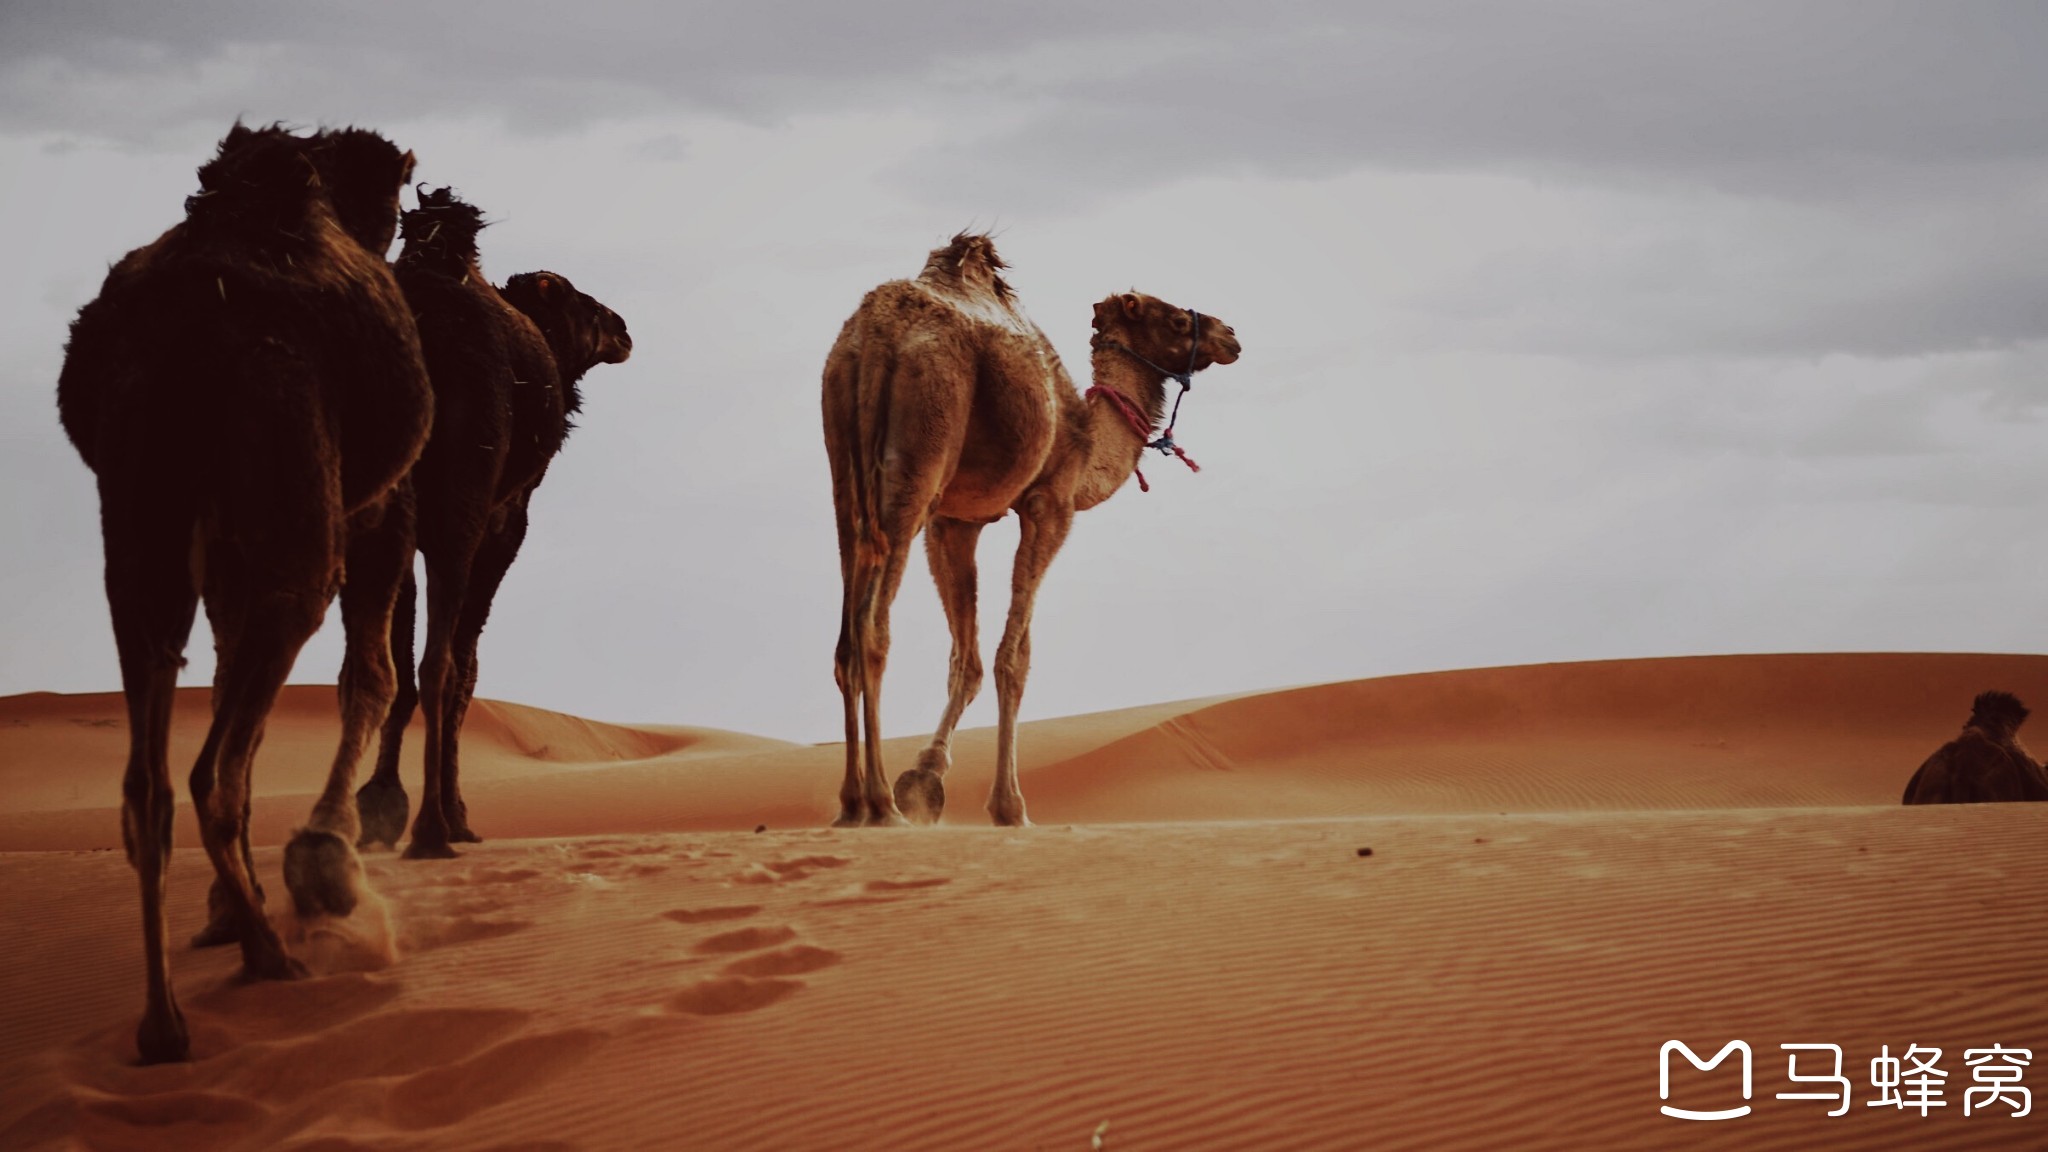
872,396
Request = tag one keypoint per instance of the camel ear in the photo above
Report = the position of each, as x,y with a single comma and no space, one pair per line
405,164
1131,305
545,285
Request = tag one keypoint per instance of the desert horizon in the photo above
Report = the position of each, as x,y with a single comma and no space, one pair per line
1412,911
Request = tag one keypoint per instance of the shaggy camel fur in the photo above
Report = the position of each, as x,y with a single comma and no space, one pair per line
247,389
1985,763
505,366
945,409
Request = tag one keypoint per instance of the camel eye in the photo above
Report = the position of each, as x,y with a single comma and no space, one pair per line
1180,322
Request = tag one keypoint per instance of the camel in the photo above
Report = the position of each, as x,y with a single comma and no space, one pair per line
505,365
945,409
248,390
1986,763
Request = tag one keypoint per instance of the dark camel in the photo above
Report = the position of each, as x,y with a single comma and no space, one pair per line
946,409
1986,763
247,388
505,364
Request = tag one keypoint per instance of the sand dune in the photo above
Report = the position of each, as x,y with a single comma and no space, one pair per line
1569,865
1698,732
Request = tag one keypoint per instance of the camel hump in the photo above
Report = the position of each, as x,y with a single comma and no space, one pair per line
2002,710
969,261
260,180
440,233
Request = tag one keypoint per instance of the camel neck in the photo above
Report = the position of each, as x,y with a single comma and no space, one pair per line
1117,445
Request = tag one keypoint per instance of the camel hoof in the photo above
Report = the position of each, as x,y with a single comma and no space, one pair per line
382,807
218,931
455,814
921,795
162,1039
1009,815
323,874
429,850
850,818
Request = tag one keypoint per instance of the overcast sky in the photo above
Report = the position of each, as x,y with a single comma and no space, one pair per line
1571,331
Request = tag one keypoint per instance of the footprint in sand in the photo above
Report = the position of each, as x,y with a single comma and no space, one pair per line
747,939
794,960
879,892
776,871
750,983
725,995
906,885
711,915
503,875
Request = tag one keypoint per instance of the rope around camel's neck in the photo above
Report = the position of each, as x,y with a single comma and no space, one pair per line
1132,393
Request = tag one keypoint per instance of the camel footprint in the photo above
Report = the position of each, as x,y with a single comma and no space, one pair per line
711,915
750,983
879,892
792,960
747,939
906,885
726,995
777,871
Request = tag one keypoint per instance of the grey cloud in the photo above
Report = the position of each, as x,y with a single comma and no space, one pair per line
1812,98
139,71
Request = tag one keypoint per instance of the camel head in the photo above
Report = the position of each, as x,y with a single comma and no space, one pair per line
1998,714
363,173
1164,334
582,332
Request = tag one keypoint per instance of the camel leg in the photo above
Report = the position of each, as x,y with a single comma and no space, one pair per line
448,572
320,864
274,623
864,797
493,559
222,595
152,598
381,802
949,546
847,674
878,579
1043,528
846,661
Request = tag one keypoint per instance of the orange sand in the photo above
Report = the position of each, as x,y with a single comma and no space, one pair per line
1570,865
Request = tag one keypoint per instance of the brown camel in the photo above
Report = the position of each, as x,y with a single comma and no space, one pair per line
248,389
946,409
1986,763
505,364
